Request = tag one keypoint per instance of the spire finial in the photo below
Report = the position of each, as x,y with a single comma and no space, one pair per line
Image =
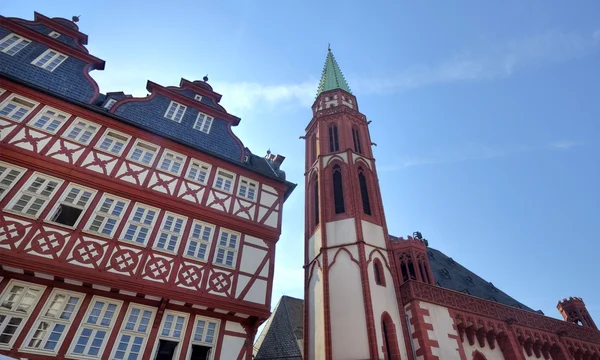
328,46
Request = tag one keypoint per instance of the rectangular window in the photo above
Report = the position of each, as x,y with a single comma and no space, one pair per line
203,337
49,120
72,205
175,111
49,60
203,123
13,43
169,236
198,97
143,153
170,334
95,328
54,321
140,224
113,142
134,333
81,131
9,175
171,162
35,194
198,244
16,108
54,34
16,304
247,189
198,172
227,248
224,181
109,104
107,215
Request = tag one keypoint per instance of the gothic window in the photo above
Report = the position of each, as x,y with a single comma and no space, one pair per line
333,139
316,201
390,341
356,138
378,272
423,270
478,356
313,148
364,192
407,268
338,190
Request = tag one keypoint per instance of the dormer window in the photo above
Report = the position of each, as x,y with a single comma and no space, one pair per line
54,34
175,111
49,60
198,97
13,43
203,123
109,104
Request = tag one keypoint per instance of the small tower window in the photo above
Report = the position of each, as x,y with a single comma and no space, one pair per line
356,138
338,190
378,272
364,192
313,148
316,195
333,139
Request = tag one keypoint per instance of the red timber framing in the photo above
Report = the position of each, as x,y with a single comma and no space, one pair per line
246,326
214,286
514,331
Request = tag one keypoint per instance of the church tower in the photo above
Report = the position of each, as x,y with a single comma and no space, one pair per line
351,309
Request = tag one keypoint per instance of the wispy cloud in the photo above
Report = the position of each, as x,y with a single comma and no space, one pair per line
242,96
474,153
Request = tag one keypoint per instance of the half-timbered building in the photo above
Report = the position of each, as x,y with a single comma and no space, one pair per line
130,228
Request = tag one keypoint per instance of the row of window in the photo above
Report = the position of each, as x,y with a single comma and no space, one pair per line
50,329
50,120
37,192
334,144
51,59
48,60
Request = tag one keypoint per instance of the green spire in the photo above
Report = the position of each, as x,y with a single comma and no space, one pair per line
332,77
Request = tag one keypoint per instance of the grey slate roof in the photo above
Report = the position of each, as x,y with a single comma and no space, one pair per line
283,333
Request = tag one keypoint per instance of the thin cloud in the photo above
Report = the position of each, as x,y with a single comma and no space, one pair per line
242,96
565,144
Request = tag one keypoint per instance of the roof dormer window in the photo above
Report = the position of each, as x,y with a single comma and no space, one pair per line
54,34
13,43
49,60
198,97
109,104
203,123
175,111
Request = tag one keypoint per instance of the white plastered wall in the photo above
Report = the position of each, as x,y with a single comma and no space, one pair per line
442,322
316,326
373,234
314,245
341,232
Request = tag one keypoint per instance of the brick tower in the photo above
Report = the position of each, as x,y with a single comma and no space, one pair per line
573,310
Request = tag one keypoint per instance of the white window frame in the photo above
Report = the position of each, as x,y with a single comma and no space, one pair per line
203,122
199,167
134,332
59,116
211,344
138,226
2,91
227,247
10,114
197,97
84,128
54,34
107,215
96,327
171,332
219,176
244,186
52,322
11,314
17,43
169,233
143,147
47,64
194,244
171,156
62,201
174,115
113,134
7,185
34,196
109,104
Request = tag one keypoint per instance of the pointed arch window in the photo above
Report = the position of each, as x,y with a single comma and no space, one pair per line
333,139
338,190
356,138
390,339
313,148
378,272
316,200
364,191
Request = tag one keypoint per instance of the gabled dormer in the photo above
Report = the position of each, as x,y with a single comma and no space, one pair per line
49,53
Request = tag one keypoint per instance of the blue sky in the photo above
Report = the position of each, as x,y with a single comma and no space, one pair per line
486,116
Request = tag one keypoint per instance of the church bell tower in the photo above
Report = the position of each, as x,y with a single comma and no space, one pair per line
351,308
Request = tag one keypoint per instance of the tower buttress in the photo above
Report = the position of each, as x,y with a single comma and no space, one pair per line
573,310
351,308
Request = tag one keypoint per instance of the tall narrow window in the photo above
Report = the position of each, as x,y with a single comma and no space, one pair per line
333,139
338,190
16,304
34,196
378,272
390,340
316,200
313,148
134,333
364,192
356,138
